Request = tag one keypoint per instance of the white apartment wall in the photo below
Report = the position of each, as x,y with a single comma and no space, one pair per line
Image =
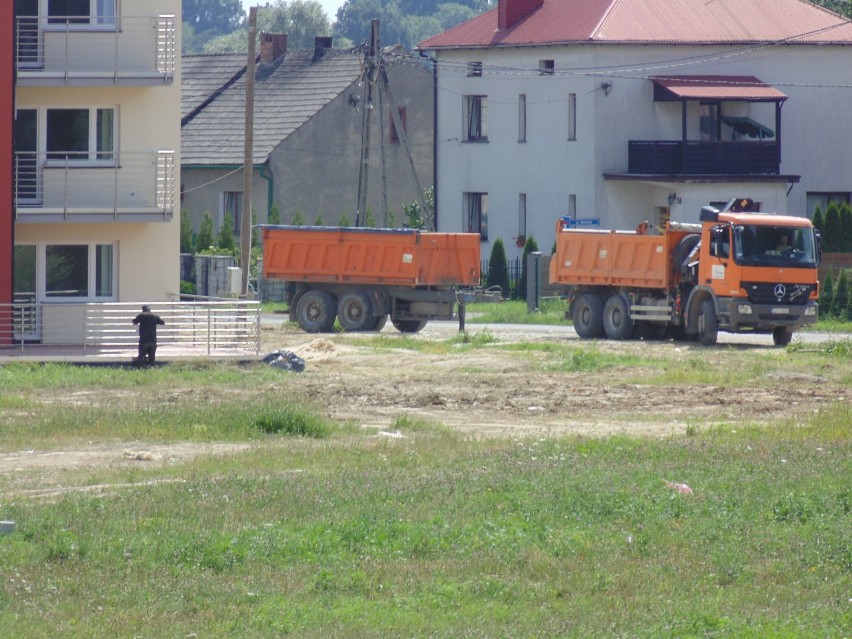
148,120
548,167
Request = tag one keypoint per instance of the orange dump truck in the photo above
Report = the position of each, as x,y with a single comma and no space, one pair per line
362,276
736,271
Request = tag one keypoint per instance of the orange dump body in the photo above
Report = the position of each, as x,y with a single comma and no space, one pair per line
345,255
614,258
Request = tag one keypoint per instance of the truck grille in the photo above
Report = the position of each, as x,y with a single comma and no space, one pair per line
768,293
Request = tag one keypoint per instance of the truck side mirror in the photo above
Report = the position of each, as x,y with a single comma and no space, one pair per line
818,239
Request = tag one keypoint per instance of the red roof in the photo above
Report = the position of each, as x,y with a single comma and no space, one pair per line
653,21
718,87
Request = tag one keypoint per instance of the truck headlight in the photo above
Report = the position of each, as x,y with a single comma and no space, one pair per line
744,309
810,311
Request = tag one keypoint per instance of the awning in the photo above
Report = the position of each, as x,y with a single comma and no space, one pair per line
748,127
745,88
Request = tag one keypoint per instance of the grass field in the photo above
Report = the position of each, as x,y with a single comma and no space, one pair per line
322,529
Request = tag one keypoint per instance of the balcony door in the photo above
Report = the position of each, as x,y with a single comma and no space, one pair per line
27,314
27,171
27,38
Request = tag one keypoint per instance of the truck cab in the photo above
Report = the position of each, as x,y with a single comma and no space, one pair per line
754,272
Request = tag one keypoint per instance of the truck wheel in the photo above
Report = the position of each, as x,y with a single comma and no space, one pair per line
708,323
781,336
381,320
587,315
616,318
408,326
315,312
355,311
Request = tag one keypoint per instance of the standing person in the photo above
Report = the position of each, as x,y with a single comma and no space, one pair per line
147,322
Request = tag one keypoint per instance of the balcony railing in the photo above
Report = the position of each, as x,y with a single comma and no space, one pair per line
90,50
130,186
662,157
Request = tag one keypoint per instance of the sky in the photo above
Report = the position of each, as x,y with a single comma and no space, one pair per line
330,6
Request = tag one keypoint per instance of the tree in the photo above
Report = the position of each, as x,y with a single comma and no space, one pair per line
825,296
819,220
840,299
298,219
186,244
530,246
204,20
226,235
206,238
343,220
498,268
301,20
831,236
274,216
846,228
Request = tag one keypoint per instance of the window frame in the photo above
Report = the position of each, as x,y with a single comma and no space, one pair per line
236,214
94,275
474,69
522,117
572,117
476,214
546,67
93,155
95,20
475,118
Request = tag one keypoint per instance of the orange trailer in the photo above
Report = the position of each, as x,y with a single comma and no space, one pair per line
362,276
736,271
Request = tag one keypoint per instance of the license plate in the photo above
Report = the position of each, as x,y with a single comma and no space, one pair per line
780,311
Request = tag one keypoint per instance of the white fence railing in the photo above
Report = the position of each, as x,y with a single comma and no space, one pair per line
191,328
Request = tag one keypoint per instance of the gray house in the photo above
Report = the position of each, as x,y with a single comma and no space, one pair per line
309,124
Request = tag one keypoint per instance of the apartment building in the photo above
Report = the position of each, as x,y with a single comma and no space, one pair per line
96,157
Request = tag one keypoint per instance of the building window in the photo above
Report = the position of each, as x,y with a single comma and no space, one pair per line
232,204
572,116
546,67
476,214
522,216
79,271
822,199
474,69
81,135
81,12
475,113
522,117
709,122
394,134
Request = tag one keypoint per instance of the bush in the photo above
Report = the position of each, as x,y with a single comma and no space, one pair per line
825,296
226,235
833,234
291,421
498,268
206,237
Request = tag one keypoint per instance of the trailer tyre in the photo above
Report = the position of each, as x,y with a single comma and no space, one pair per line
315,312
708,323
355,311
587,315
380,322
781,336
408,326
616,318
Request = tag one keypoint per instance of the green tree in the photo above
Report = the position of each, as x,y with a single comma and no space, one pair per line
298,219
819,220
319,221
369,218
206,237
840,299
186,244
846,228
274,215
226,234
344,220
825,295
498,268
832,235
530,246
301,20
204,20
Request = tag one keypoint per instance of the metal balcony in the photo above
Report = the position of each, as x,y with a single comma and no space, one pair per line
128,187
92,51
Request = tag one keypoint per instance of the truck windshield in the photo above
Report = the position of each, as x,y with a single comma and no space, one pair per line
775,246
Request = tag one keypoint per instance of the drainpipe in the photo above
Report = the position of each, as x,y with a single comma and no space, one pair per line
267,175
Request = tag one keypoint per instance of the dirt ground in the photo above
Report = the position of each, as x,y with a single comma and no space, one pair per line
490,391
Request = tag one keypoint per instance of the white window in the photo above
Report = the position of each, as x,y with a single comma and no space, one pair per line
81,12
522,117
232,204
474,69
476,214
475,124
572,116
80,135
546,67
522,215
76,271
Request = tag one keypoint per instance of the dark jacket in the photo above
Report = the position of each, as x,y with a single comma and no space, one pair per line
147,322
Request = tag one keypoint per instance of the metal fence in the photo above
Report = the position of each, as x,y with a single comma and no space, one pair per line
221,327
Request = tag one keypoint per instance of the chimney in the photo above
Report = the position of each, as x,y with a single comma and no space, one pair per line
272,46
511,12
321,45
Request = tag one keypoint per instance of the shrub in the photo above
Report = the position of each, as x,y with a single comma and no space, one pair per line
292,421
832,236
226,235
206,237
186,243
498,268
274,215
846,228
825,296
840,299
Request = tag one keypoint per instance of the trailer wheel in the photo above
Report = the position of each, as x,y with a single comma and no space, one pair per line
781,336
408,326
708,323
587,315
355,311
381,320
616,318
315,312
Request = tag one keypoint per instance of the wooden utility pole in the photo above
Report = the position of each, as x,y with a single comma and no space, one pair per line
248,159
370,77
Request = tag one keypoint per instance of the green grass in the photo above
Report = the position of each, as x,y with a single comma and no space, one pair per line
515,312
